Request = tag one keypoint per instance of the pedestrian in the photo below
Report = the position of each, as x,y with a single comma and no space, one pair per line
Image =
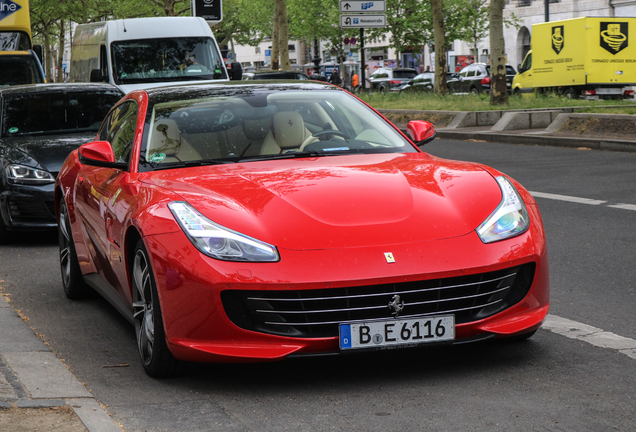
355,80
335,78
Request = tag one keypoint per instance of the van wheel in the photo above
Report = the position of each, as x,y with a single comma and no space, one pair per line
516,92
571,93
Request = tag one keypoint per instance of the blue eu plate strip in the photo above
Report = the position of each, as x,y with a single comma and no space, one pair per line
345,336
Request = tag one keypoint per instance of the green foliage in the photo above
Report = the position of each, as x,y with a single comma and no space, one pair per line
481,102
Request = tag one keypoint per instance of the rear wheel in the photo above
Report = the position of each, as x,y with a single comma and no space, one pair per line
72,280
155,356
473,90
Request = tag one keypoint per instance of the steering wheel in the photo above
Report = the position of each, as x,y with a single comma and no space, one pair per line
322,136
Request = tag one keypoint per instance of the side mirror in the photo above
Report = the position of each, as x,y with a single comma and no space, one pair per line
235,71
96,76
421,132
99,154
37,49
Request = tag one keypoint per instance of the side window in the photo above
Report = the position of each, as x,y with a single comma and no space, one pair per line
119,130
471,71
464,72
527,64
103,61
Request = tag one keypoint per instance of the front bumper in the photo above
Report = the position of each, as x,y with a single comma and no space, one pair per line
27,208
198,328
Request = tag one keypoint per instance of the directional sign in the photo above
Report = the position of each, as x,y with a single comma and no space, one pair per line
353,6
209,10
362,21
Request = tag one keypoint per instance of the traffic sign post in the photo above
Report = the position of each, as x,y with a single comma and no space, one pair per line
362,6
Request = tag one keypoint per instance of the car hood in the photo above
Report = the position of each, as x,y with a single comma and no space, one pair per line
343,201
46,152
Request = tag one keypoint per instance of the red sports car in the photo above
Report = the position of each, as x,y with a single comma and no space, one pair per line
256,221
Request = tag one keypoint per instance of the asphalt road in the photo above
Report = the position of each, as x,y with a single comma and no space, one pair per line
548,383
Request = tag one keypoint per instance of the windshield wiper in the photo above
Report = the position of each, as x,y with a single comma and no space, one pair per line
293,155
192,163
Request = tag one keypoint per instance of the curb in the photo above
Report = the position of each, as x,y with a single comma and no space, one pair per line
540,140
31,376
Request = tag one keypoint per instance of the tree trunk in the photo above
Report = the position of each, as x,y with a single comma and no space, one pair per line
283,33
60,53
440,47
48,52
498,90
275,39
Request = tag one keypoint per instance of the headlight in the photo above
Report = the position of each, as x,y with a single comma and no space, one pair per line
24,175
220,242
509,219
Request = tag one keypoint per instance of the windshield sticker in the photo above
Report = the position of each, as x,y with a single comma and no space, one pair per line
13,130
157,157
337,149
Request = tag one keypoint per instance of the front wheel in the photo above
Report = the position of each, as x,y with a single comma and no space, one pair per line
155,356
72,280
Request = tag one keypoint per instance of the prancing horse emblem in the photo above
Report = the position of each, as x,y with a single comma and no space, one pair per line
396,305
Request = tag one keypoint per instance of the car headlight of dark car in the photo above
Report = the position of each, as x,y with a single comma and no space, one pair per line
509,219
20,174
219,242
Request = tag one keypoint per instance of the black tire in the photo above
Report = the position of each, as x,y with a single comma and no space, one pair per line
473,90
516,92
72,280
5,235
382,89
156,358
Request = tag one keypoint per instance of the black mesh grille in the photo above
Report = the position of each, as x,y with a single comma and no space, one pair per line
317,313
31,210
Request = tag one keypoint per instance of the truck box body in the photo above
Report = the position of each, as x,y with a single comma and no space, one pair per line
146,52
581,54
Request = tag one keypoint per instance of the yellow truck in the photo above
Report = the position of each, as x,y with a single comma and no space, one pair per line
581,57
19,62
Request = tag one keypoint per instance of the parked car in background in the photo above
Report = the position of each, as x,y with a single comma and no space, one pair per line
422,82
275,75
386,79
40,125
257,221
475,78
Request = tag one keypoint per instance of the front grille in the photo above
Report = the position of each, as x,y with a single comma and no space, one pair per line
31,209
317,313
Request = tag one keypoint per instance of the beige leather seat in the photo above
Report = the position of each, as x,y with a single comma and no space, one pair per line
288,131
167,140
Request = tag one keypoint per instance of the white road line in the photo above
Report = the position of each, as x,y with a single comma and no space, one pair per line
567,198
591,335
624,206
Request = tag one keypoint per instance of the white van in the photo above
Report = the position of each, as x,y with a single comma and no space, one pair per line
148,52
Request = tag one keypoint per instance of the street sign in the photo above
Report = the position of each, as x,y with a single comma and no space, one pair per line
362,21
268,53
353,6
209,10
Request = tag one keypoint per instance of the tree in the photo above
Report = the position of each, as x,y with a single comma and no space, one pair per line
282,41
498,90
440,46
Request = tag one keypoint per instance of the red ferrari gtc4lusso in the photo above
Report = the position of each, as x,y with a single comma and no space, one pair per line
257,221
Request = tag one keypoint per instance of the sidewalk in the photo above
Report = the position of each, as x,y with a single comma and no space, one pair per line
37,391
559,127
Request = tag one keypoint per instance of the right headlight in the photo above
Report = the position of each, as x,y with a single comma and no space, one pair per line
20,174
217,241
509,219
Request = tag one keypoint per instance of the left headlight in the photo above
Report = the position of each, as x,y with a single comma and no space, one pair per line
220,242
20,174
509,219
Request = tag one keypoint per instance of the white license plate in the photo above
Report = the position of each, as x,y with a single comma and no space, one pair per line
397,332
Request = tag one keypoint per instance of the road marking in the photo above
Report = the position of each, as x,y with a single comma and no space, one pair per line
591,335
624,206
567,198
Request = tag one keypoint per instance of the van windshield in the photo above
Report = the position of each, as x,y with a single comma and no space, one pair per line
19,69
159,60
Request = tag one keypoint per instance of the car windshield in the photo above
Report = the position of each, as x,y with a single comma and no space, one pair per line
18,69
44,113
257,124
158,60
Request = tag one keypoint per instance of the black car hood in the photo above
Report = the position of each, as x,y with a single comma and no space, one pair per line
46,152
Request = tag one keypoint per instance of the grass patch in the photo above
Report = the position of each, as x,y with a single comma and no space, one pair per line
481,102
